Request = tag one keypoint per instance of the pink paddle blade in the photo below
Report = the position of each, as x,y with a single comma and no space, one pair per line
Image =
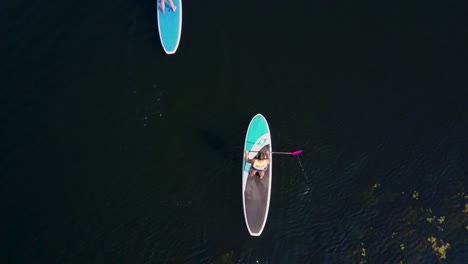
297,152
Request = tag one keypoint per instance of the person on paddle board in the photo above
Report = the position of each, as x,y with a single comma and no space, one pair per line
163,6
260,164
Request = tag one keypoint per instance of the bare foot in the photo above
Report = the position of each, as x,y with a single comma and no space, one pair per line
173,7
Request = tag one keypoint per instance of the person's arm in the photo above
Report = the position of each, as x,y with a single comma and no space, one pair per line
268,156
247,156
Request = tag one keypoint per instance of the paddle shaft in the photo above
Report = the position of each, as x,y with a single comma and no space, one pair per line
285,153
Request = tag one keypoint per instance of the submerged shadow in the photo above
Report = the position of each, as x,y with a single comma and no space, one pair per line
228,141
221,145
213,141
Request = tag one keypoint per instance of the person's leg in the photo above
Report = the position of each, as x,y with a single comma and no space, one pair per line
172,5
252,172
261,174
163,6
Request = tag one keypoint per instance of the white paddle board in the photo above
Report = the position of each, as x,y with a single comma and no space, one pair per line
255,191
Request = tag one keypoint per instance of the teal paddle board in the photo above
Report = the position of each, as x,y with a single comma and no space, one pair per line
170,25
255,191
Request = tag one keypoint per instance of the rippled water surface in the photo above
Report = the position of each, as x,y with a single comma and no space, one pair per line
113,152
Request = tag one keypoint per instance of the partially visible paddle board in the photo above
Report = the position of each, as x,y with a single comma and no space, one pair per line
255,191
170,26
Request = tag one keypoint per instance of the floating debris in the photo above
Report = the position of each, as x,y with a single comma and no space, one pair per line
441,219
415,195
402,246
363,254
466,208
375,186
432,219
441,250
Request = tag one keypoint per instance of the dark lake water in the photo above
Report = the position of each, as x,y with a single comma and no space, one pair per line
114,152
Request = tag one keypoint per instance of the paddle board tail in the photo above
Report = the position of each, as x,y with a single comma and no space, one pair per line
170,25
